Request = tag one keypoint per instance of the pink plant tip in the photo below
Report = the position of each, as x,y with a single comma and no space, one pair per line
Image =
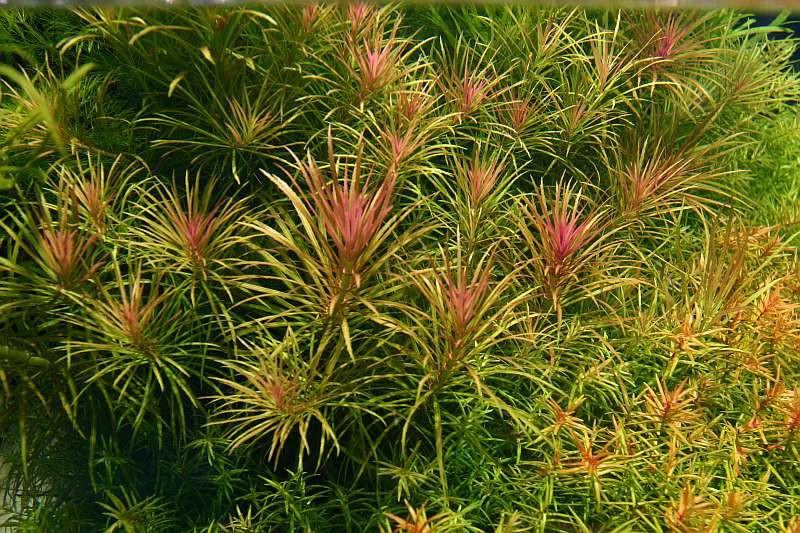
472,94
357,13
350,214
565,234
482,178
310,15
518,113
63,251
400,145
197,230
411,105
463,298
376,66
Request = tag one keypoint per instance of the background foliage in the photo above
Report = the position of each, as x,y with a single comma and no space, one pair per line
363,268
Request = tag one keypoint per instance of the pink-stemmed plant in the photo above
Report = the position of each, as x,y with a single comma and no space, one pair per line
64,252
482,176
469,81
376,62
350,213
464,296
310,16
192,231
518,113
357,14
564,234
655,181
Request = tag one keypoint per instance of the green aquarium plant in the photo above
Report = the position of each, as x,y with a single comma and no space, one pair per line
360,267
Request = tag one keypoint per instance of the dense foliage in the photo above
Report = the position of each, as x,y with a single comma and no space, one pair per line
423,269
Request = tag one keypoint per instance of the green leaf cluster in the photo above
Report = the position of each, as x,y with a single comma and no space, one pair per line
359,267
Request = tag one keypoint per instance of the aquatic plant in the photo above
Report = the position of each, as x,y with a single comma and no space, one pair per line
398,268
